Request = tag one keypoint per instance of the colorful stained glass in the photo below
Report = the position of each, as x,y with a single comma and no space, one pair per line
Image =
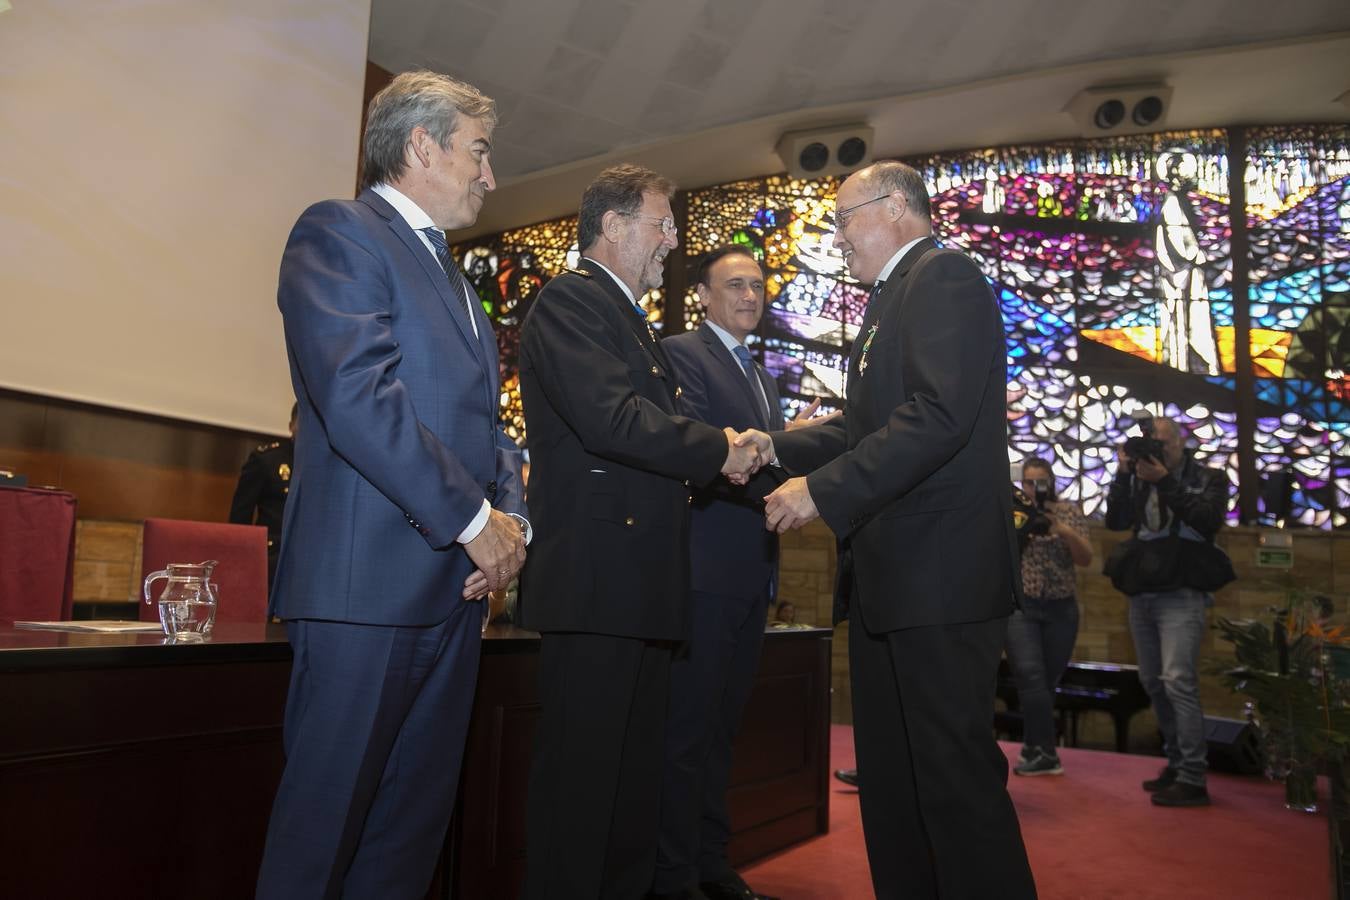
1111,262
1298,217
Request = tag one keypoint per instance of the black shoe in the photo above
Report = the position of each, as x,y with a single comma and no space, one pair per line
1182,794
1039,763
847,776
733,887
1166,778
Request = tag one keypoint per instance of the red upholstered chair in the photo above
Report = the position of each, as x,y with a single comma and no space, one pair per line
37,554
241,551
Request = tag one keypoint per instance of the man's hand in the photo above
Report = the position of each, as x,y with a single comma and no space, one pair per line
790,506
804,417
498,551
763,444
743,459
476,587
1149,469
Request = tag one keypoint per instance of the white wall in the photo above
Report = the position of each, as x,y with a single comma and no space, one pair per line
153,156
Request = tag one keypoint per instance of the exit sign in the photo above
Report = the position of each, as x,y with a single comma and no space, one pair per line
1274,557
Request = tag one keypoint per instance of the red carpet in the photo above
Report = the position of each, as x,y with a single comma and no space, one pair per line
1092,835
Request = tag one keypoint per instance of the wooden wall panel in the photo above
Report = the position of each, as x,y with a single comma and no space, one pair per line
123,465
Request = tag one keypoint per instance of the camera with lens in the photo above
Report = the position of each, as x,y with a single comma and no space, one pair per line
1029,516
1144,444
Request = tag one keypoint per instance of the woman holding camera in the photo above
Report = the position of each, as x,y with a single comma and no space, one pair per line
1042,633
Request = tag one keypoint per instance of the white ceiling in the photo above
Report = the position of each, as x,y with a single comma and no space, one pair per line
702,90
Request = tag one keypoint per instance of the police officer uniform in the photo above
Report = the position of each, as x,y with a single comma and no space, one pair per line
263,483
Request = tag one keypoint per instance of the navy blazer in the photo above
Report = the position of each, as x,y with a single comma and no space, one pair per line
731,552
399,439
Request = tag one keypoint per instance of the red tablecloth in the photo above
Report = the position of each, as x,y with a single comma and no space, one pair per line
37,554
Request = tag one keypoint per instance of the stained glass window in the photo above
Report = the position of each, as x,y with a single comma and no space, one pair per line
1298,217
1112,263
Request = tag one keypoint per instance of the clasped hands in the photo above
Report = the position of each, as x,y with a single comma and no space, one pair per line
498,551
790,505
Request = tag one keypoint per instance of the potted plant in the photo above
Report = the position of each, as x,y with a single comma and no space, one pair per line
1296,670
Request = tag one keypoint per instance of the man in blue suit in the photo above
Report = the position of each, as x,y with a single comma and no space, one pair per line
732,563
404,507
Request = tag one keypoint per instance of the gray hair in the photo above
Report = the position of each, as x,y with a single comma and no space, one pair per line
429,99
889,175
619,188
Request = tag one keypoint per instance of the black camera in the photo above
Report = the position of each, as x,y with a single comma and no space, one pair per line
1029,516
1144,444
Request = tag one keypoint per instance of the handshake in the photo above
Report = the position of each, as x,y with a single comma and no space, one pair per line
790,505
747,453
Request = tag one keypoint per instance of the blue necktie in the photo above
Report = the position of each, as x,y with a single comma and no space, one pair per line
437,238
742,353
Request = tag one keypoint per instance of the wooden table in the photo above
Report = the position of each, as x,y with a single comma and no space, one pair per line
132,768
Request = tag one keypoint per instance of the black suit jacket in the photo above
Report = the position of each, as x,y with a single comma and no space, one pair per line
610,455
914,477
731,552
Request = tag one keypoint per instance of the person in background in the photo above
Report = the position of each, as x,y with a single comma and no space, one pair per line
732,564
786,613
260,496
1154,496
1042,633
404,509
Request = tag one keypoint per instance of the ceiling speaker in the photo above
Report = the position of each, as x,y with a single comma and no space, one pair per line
826,151
1120,109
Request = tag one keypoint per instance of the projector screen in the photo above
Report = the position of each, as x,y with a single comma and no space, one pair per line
153,157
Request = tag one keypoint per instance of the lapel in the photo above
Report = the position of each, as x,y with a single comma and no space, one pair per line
878,305
731,367
446,286
637,325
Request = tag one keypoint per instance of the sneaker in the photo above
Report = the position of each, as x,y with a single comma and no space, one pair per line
1166,778
1039,763
1181,794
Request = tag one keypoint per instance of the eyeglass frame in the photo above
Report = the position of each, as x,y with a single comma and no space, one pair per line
840,223
666,223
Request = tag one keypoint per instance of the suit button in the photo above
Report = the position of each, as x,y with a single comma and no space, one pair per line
655,371
629,521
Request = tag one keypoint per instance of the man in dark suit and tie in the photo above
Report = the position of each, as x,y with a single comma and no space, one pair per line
913,481
732,562
612,451
404,509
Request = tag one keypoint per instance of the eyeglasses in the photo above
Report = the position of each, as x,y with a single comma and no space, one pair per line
666,223
842,216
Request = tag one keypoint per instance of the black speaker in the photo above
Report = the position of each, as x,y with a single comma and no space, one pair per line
1233,746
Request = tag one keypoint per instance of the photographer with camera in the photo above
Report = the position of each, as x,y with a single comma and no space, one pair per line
1042,633
1168,569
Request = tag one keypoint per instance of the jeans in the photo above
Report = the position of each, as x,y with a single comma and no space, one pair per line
1041,636
1167,629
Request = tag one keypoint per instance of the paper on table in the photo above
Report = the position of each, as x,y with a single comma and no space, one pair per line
103,625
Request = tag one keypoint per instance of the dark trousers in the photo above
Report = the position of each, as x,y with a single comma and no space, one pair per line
710,682
595,780
374,736
1041,636
937,818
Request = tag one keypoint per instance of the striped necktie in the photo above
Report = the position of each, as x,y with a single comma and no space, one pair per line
437,238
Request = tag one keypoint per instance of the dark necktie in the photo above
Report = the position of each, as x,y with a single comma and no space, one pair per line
876,289
437,238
